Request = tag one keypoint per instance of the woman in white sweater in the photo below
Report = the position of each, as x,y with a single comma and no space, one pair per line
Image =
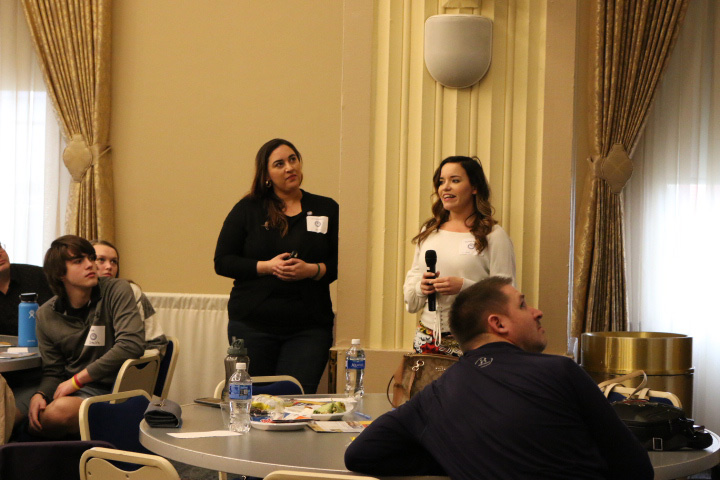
469,245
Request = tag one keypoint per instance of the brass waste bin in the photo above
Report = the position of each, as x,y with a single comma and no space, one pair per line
666,358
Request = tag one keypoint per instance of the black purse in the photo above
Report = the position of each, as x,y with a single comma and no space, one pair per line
660,426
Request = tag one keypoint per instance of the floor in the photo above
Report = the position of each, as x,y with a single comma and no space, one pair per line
701,476
189,472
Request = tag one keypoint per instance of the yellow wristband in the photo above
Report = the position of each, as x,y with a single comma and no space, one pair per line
75,383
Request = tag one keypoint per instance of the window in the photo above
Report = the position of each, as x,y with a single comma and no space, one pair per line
34,183
672,206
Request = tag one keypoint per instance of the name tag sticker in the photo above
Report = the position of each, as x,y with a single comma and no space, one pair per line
467,247
96,336
317,224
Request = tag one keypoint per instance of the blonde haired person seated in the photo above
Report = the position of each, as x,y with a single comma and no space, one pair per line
107,260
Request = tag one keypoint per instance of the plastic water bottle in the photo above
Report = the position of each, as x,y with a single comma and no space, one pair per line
240,399
354,370
26,320
236,352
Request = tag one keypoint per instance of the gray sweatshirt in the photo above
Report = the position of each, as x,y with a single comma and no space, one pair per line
111,332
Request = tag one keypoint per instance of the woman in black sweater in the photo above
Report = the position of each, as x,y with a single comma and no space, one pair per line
280,245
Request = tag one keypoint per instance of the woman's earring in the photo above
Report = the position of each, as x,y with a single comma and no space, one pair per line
267,183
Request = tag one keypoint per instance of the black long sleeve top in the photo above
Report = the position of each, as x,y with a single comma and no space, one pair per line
245,239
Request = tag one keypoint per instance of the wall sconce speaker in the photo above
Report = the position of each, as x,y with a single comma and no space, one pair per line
458,48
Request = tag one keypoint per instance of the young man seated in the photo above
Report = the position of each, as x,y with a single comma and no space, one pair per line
85,333
505,410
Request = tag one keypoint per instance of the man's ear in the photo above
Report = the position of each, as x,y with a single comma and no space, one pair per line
495,324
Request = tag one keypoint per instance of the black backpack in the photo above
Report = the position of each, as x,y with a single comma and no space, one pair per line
660,426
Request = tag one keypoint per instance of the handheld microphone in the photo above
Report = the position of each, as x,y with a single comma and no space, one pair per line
430,261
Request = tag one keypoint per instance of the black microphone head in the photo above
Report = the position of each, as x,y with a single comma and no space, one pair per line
431,259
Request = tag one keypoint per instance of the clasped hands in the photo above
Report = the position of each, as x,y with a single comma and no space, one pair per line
434,283
291,269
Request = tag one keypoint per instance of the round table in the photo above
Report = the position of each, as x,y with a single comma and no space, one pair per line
681,463
261,452
19,363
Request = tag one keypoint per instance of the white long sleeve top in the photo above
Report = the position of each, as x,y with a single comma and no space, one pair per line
456,257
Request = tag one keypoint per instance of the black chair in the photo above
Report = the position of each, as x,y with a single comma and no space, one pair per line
56,460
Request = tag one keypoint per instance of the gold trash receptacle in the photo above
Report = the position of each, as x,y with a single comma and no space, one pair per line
666,358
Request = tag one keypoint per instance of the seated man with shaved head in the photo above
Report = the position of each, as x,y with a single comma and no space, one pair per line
505,410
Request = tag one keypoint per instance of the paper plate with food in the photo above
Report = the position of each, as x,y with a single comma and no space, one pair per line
267,412
279,425
333,410
267,406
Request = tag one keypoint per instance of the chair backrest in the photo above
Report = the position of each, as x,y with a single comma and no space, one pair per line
56,459
167,368
276,385
293,475
138,373
115,418
95,464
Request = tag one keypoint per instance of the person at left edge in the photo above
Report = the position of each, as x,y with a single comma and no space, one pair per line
85,333
280,303
17,278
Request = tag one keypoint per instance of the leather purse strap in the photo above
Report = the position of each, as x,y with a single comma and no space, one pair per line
608,385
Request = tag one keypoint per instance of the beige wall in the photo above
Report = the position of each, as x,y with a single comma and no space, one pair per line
518,120
199,86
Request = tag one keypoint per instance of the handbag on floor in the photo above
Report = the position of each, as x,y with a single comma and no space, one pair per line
418,371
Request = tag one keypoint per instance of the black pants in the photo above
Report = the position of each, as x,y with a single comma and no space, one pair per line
302,354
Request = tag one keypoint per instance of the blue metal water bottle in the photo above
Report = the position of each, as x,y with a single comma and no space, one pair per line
26,320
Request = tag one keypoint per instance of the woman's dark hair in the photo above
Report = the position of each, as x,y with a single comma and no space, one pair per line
262,188
108,244
481,221
61,250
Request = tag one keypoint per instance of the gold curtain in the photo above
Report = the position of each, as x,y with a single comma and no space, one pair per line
633,42
72,40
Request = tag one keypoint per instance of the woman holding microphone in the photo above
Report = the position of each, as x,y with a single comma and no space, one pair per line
468,244
280,244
